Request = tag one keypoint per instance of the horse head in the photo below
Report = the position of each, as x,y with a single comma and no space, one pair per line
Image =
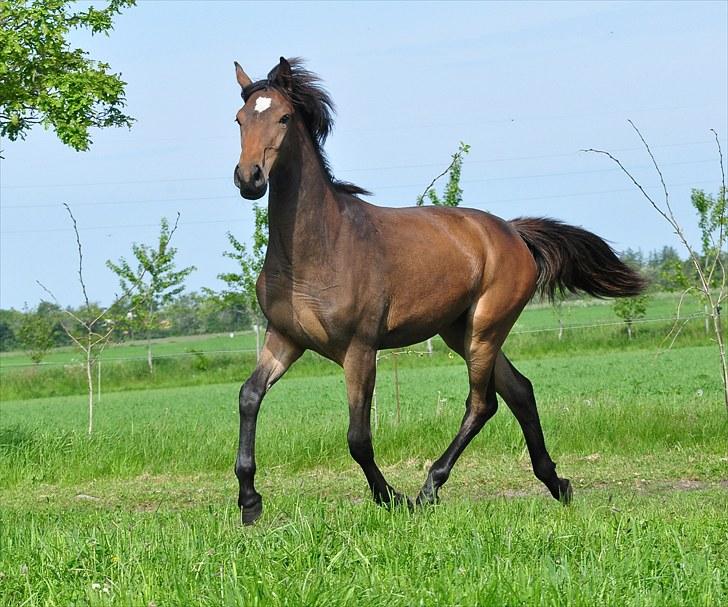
264,121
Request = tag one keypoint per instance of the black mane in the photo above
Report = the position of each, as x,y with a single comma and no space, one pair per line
316,108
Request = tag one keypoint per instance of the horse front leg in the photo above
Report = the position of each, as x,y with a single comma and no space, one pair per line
360,372
277,355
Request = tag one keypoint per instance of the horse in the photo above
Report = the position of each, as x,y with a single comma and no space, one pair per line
345,278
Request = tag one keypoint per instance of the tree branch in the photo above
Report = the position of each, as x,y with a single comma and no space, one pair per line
80,255
445,172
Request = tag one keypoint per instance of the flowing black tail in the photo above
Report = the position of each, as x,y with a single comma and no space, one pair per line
572,259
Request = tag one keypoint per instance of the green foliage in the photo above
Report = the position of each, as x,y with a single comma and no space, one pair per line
630,309
8,340
241,293
36,334
45,81
713,225
201,313
712,219
453,194
154,282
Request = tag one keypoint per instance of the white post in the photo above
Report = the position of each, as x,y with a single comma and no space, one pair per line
374,395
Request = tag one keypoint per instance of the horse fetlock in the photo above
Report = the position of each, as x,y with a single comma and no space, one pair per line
244,471
427,498
428,494
545,470
392,499
249,500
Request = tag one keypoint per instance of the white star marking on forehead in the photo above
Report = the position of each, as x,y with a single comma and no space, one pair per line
262,104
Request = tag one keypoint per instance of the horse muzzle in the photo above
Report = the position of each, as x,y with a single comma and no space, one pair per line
253,188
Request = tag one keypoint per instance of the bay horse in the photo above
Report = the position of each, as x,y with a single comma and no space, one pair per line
345,278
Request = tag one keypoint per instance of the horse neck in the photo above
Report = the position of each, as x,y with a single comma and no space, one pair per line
302,206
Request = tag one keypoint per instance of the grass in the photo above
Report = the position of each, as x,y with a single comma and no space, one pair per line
627,551
144,511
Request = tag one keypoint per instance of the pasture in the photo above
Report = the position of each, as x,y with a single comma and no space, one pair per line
212,359
144,512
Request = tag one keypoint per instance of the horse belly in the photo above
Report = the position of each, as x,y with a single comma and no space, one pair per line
420,309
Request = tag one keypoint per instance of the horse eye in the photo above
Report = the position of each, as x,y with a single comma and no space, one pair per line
285,119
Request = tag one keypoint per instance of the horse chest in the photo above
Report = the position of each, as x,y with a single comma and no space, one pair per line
307,312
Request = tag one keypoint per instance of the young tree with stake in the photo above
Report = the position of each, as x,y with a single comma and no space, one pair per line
710,277
154,283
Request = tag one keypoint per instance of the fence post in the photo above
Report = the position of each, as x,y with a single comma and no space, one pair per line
374,394
396,383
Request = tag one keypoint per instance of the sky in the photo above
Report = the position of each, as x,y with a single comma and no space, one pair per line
526,85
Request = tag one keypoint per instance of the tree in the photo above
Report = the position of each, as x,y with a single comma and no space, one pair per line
241,293
154,283
45,81
665,269
709,269
630,309
453,194
7,336
36,334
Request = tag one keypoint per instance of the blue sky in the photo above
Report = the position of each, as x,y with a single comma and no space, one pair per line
527,85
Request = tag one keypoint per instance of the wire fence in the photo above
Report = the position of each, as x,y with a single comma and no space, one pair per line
380,356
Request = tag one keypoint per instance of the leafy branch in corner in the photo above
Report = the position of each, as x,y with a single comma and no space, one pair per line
453,194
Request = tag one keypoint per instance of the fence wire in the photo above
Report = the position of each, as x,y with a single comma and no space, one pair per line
199,353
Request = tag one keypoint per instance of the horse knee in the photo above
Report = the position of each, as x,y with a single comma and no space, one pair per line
484,410
250,396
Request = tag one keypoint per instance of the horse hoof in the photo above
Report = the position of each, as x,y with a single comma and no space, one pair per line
566,493
249,515
395,500
400,500
425,500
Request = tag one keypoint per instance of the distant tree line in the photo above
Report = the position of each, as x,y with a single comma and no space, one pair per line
209,312
188,314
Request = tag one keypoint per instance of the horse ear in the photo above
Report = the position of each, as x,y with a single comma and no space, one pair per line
281,75
243,79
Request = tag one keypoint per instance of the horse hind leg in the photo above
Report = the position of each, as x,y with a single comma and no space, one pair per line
517,392
481,405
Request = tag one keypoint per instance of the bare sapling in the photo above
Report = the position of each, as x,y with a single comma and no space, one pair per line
90,329
709,279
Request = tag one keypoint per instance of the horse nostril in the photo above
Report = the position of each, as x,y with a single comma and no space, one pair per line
257,174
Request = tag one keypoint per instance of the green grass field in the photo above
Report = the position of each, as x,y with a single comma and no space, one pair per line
144,513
